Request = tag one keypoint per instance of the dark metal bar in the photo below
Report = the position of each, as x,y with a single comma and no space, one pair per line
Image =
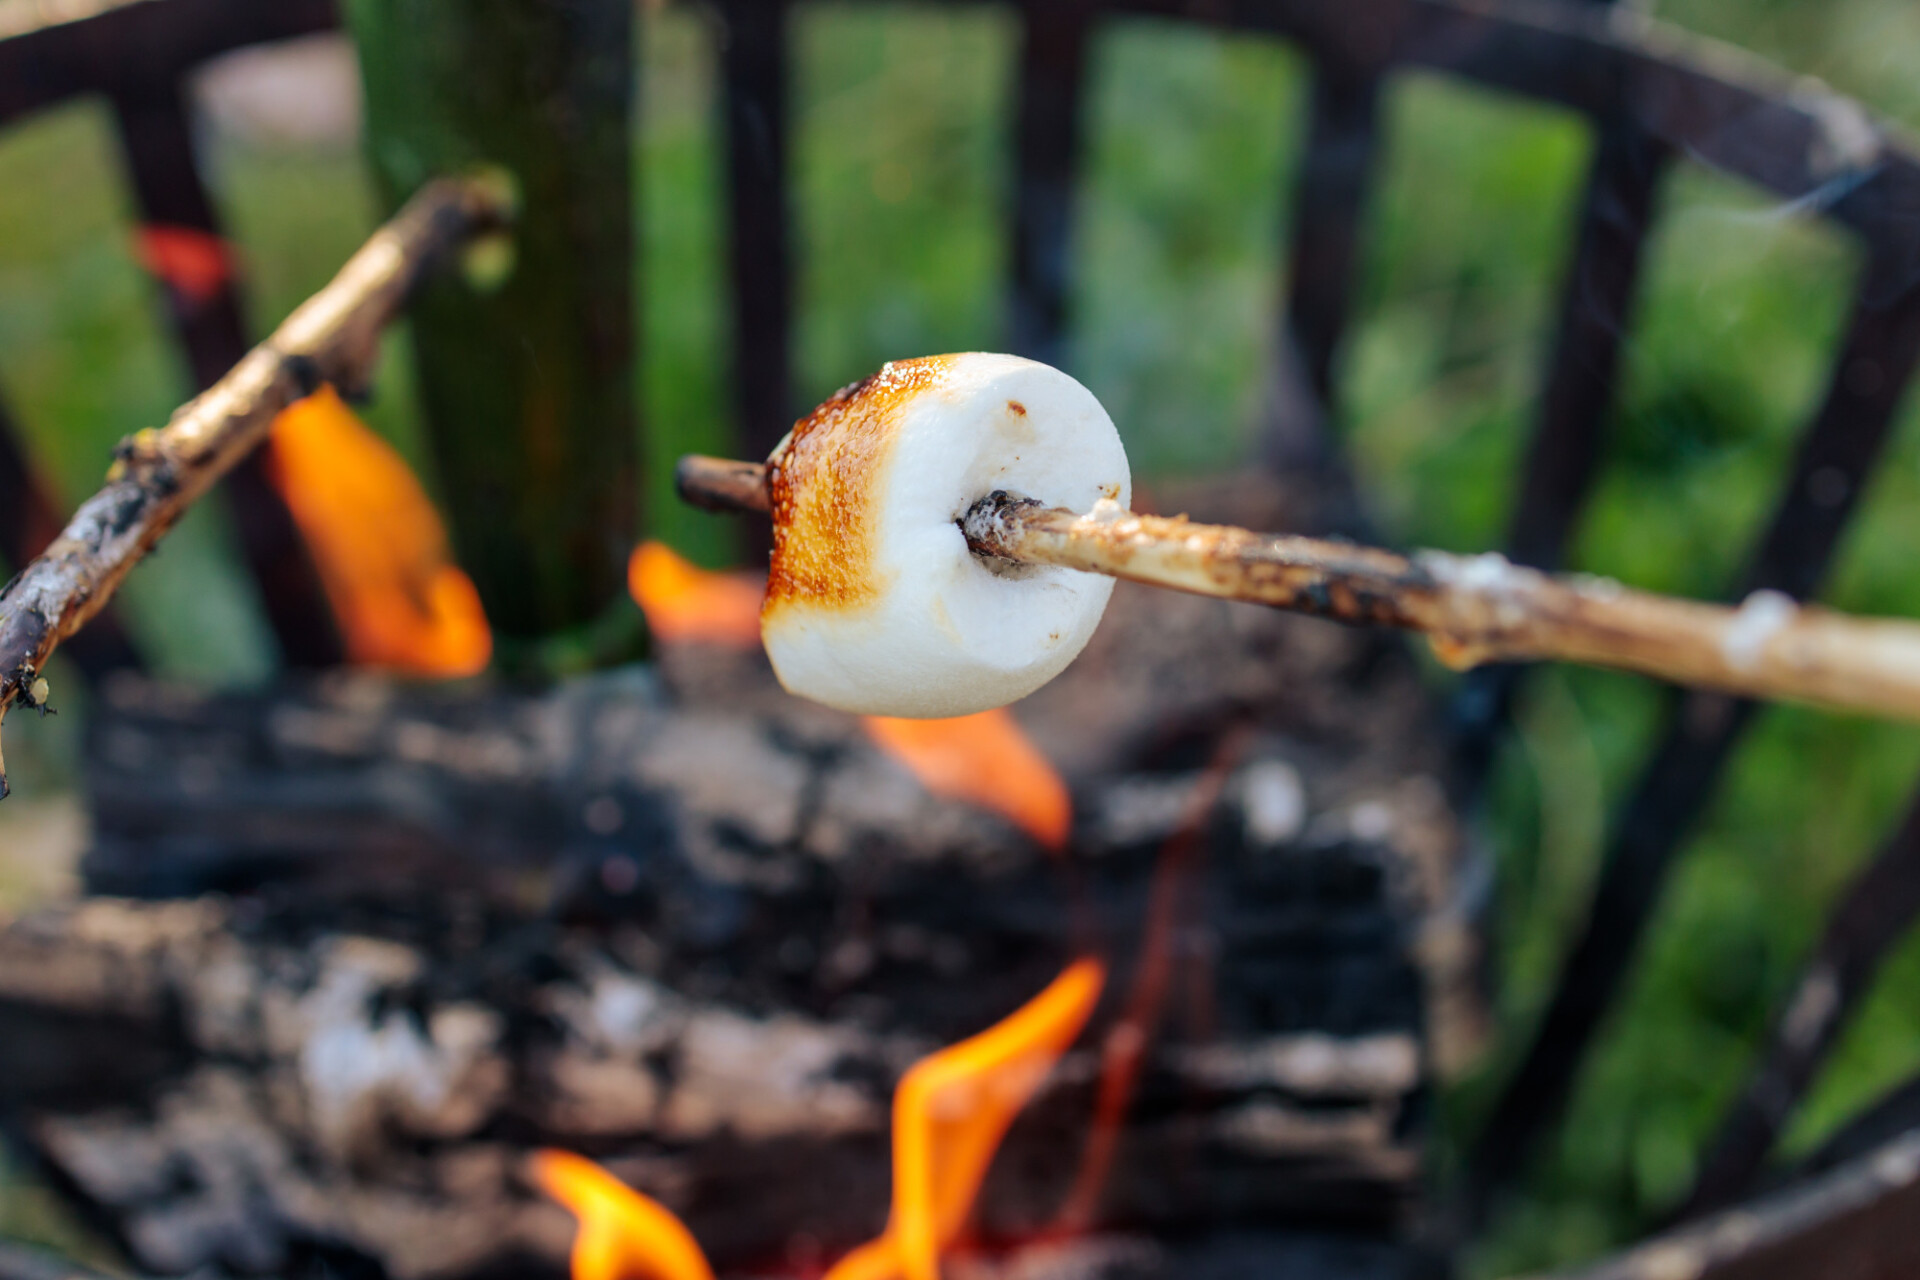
1839,448
49,63
1855,1221
1047,138
156,137
1895,1112
1729,111
1564,456
1599,291
1877,912
1334,177
754,83
28,522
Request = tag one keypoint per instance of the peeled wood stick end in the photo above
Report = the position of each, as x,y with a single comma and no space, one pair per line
722,484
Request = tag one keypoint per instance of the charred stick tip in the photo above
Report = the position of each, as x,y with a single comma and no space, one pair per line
722,484
157,473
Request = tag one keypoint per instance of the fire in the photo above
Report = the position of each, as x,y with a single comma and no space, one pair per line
983,759
949,1115
194,263
623,1235
377,543
684,602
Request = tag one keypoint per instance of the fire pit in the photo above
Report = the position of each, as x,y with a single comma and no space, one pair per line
1155,974
690,926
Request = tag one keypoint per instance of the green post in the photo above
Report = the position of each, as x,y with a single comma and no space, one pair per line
525,362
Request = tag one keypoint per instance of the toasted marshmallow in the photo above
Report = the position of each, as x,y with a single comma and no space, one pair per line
874,603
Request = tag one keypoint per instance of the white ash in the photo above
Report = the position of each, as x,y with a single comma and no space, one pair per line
1143,808
1273,802
1310,1065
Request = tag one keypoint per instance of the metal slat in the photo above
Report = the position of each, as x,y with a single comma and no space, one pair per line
1564,456
1893,1113
67,56
1335,174
1878,910
156,137
1725,110
1837,451
1855,1221
1047,140
1595,303
754,88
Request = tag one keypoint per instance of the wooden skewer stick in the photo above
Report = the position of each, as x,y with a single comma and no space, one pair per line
158,473
1473,609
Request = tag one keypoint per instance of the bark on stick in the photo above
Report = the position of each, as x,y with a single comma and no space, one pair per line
159,472
1473,609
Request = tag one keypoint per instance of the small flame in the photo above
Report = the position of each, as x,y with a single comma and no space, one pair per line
623,1235
684,602
377,543
949,1115
983,759
196,264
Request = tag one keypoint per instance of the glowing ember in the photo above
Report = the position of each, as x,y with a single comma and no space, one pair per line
623,1235
684,602
1124,1051
949,1115
983,759
196,264
377,543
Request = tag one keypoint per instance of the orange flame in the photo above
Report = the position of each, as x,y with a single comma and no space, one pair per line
196,264
949,1115
983,759
623,1235
377,543
684,602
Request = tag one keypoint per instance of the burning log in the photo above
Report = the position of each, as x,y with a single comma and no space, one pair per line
352,1091
158,473
697,930
18,1262
1474,609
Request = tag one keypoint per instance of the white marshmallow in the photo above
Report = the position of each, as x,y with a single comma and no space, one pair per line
874,603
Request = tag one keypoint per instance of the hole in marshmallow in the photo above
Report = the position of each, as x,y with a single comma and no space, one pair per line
998,566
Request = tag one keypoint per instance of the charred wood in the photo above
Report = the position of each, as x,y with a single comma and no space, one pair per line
674,919
350,1089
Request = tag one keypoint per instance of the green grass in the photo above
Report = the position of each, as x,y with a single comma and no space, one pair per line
902,123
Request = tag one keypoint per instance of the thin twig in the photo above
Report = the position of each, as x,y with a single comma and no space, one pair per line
158,473
1473,609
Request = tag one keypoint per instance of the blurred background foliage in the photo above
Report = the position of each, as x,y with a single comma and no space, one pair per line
901,168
